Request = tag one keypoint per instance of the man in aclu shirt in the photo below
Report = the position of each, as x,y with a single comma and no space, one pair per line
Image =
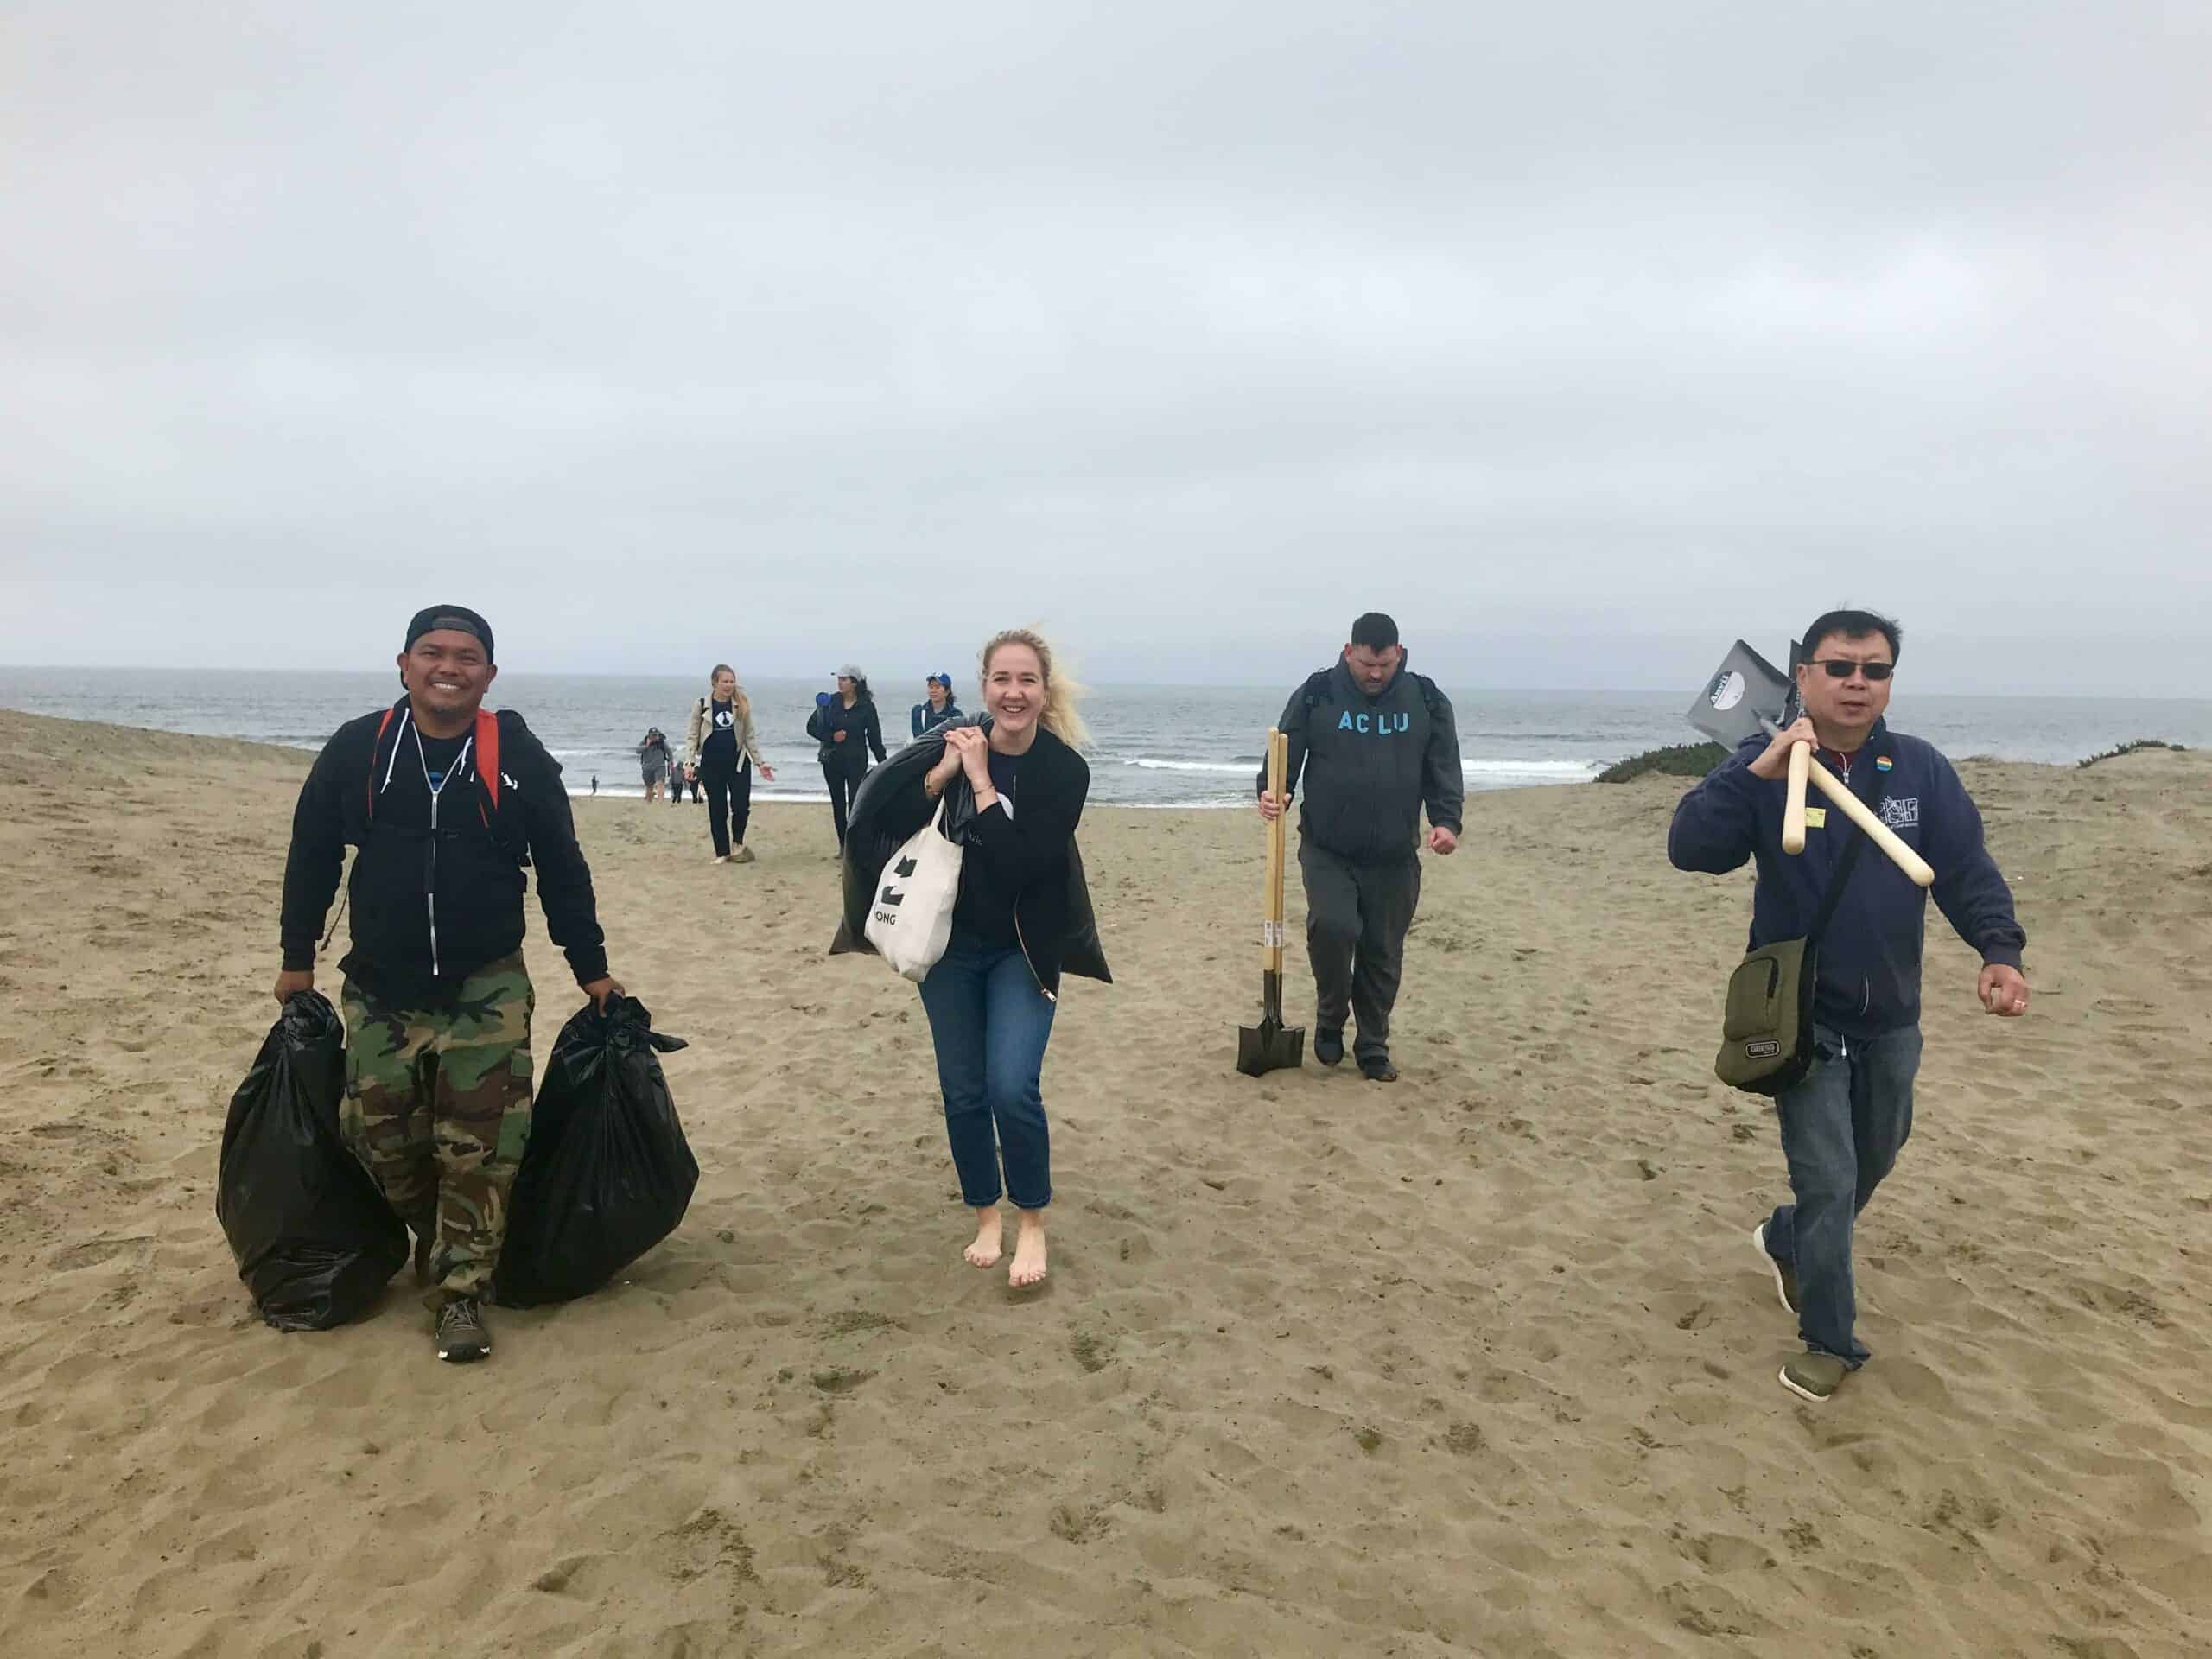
1375,743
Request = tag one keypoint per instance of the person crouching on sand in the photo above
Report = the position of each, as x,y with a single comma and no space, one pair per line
991,997
725,748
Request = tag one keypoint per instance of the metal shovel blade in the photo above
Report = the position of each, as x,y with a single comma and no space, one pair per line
1743,694
1270,1046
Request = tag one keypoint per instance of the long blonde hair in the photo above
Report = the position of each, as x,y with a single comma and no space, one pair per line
740,704
1063,692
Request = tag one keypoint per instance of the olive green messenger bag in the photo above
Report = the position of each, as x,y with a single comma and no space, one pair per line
1766,1030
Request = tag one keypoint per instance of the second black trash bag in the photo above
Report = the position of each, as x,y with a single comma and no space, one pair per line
313,1239
606,1173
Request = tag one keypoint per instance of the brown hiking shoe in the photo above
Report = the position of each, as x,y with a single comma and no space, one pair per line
462,1334
1814,1376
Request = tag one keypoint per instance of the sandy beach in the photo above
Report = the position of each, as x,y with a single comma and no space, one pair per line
1480,1365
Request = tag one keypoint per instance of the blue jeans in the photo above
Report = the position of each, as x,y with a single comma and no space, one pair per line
1843,1128
990,1023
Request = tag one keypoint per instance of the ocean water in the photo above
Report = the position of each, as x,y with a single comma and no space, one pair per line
1156,745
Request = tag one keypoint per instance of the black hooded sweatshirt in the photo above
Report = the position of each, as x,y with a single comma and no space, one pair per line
437,886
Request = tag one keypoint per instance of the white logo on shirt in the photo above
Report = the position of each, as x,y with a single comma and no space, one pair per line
1901,814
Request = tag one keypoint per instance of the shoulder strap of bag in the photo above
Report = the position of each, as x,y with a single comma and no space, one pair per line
1843,870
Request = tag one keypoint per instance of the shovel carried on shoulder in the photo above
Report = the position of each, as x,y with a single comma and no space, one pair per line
1748,694
1271,1045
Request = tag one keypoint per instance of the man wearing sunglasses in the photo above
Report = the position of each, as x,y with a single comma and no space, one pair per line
1843,1126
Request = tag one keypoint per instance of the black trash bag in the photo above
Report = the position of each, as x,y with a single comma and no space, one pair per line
606,1173
891,804
313,1238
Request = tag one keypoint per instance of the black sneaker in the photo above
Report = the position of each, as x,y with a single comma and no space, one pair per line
462,1334
1376,1068
1329,1045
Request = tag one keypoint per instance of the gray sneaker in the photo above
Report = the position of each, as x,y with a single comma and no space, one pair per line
462,1334
1785,1276
1814,1376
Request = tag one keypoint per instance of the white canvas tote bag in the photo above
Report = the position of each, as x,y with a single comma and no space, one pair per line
910,919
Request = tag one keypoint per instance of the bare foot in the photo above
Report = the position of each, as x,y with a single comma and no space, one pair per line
1028,1267
990,1242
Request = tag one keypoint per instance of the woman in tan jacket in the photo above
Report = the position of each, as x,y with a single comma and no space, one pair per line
721,749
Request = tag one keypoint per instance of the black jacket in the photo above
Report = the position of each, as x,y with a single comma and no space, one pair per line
1372,764
863,731
408,949
1033,851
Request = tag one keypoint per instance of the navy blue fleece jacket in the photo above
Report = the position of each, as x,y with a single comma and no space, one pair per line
1869,980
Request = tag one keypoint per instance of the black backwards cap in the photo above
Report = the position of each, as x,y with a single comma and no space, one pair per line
458,618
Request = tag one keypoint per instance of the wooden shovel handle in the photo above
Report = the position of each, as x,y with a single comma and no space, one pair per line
1793,804
1271,935
1880,833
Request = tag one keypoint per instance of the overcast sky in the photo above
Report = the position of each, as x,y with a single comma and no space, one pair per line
1582,338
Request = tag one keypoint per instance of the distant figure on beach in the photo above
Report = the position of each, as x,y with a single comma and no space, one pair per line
444,802
725,748
1376,744
937,707
1844,1124
844,723
683,772
654,761
595,785
991,998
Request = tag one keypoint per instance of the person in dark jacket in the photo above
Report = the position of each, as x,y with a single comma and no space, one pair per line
654,761
436,1000
936,708
845,725
1376,745
1843,1126
991,997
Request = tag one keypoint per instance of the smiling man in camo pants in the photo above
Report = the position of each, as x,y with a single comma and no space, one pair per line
447,804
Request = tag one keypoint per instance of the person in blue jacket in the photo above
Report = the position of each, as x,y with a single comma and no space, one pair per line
1843,1126
938,710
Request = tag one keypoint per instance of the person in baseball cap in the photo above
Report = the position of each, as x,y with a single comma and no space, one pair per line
846,728
937,707
445,802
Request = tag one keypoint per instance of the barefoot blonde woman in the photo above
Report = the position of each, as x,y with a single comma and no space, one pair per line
991,998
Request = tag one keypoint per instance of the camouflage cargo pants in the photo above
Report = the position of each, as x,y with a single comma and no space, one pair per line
437,1107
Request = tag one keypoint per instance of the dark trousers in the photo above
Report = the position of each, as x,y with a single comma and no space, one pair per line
990,1024
1843,1128
844,783
1356,920
729,802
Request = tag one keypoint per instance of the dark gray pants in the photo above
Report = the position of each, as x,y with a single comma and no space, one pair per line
1356,920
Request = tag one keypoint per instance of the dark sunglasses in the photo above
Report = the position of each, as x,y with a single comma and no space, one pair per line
1841,668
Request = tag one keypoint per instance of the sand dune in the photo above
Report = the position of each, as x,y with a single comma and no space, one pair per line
1480,1365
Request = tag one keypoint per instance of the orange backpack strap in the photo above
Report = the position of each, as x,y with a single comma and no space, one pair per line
487,754
382,726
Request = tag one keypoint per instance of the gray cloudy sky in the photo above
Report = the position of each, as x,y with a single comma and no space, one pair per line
1582,337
